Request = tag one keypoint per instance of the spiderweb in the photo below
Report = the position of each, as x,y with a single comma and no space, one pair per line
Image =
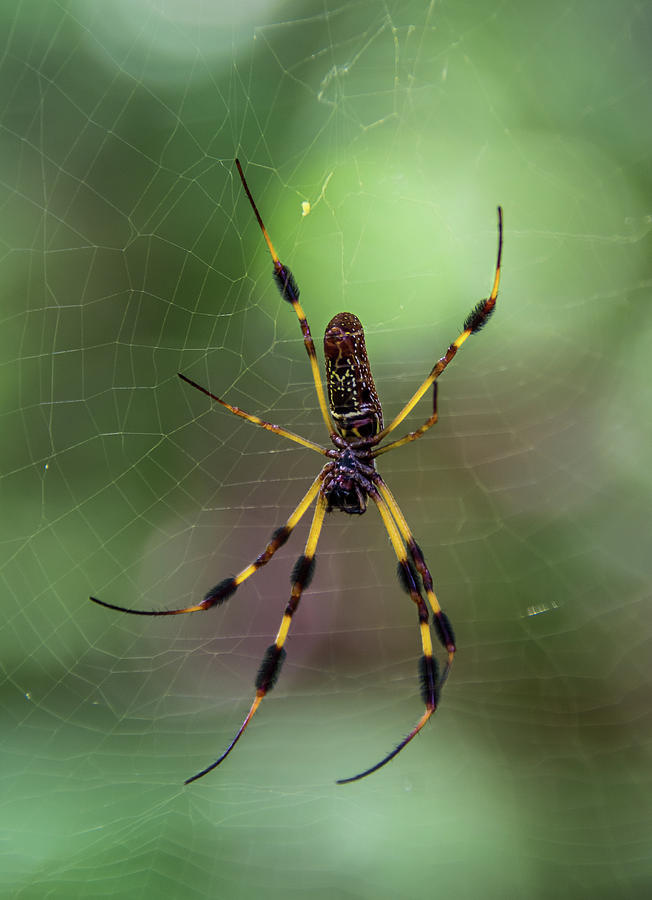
378,139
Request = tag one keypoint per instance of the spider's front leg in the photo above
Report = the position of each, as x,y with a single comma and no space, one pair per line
290,291
474,322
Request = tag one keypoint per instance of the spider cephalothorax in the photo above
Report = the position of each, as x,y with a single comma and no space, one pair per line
348,480
354,419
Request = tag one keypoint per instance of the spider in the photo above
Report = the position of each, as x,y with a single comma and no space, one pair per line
354,421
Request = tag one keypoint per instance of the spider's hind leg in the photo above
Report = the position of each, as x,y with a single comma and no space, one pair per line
411,562
443,627
428,669
270,667
228,586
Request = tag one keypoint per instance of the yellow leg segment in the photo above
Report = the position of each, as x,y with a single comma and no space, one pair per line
474,322
312,356
275,429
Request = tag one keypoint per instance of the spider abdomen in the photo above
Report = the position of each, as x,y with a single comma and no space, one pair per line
352,397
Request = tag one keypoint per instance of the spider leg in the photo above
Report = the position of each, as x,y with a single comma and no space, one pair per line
443,627
275,654
290,292
430,683
475,320
228,586
413,435
276,429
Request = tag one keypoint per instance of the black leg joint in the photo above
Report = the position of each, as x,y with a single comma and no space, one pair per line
444,630
303,571
221,592
270,668
286,284
407,576
478,317
280,536
429,675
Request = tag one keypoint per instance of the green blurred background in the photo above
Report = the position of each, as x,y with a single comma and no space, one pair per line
129,253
